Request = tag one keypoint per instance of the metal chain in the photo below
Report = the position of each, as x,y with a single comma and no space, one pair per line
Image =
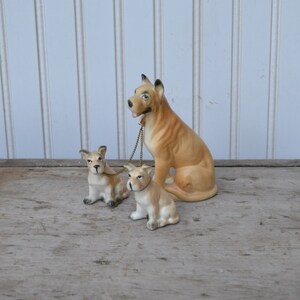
142,142
140,138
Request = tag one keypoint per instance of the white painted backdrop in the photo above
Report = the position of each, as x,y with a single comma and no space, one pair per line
230,69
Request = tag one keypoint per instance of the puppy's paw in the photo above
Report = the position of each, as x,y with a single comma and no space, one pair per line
162,222
152,225
135,215
132,216
88,201
119,201
112,204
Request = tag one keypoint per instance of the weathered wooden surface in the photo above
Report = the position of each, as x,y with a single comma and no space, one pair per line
242,244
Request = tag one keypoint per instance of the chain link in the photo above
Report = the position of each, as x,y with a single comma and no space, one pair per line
140,138
142,142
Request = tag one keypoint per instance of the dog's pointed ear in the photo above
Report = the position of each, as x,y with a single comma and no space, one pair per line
159,87
147,168
145,79
109,170
129,167
102,150
84,153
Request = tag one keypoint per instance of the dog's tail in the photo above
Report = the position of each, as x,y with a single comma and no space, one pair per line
181,195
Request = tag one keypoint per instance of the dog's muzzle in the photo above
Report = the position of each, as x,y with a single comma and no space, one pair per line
97,167
130,185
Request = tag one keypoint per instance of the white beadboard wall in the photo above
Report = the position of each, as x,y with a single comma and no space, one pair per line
231,70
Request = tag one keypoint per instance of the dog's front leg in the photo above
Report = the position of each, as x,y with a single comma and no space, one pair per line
110,196
162,170
139,213
94,195
153,213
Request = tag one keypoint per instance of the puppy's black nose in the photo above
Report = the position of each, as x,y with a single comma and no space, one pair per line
130,104
97,167
130,185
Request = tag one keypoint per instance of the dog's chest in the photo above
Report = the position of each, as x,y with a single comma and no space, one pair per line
148,139
143,199
155,137
99,180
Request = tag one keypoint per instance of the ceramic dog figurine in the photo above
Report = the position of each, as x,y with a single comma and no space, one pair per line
173,145
151,199
104,183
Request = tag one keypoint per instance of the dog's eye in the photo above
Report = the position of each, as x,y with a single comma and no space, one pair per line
129,175
139,177
89,161
145,96
100,158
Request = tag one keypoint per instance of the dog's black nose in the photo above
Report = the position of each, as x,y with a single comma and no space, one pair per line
130,185
130,104
96,167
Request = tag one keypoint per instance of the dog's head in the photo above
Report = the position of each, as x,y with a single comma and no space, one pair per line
147,97
95,159
139,177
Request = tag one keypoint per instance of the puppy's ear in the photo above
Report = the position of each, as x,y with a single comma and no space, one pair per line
84,153
147,168
129,167
108,170
159,87
145,79
102,150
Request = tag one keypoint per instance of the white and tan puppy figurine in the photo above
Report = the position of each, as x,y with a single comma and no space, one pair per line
152,201
104,183
173,145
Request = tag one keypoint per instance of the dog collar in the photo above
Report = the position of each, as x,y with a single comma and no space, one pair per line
146,185
147,110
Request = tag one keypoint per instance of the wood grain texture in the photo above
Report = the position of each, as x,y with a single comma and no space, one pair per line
242,244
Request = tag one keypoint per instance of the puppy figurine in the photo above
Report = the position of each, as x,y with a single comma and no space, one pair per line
151,199
173,145
104,184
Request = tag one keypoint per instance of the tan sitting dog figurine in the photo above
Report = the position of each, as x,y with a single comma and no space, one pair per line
104,183
152,201
173,145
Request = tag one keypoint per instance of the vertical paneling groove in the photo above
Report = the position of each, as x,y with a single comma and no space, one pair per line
158,38
196,65
81,73
120,77
43,78
6,93
273,80
235,79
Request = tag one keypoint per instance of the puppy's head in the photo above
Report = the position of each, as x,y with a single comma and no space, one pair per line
147,97
139,177
95,159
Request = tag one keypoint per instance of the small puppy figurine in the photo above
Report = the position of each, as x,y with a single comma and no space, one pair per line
104,184
151,200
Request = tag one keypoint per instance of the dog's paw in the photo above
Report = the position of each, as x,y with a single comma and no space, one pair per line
132,215
135,215
87,201
151,225
119,200
112,204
